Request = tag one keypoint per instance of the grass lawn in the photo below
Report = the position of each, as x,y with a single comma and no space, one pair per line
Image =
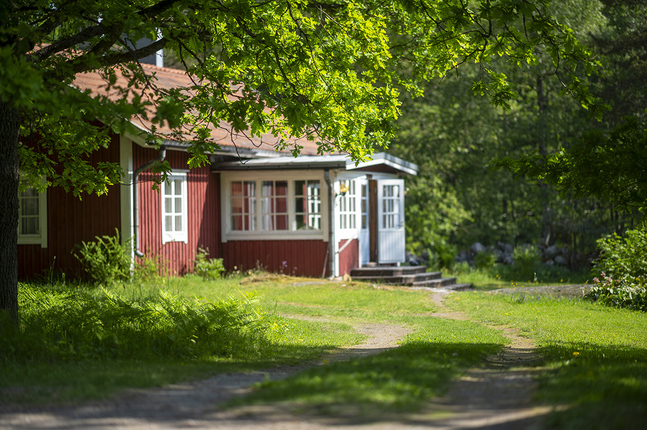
595,357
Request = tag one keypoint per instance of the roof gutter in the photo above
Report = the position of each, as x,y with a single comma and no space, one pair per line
160,157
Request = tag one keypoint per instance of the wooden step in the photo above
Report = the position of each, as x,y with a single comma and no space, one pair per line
386,271
400,279
408,276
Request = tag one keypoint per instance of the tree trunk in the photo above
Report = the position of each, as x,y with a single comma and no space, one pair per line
9,180
542,148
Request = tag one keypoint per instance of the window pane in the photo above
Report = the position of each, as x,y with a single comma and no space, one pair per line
29,192
236,206
299,206
167,189
243,205
178,223
168,206
266,223
29,225
178,187
281,188
301,222
281,222
281,205
237,222
299,188
236,189
178,205
268,188
250,188
168,223
29,206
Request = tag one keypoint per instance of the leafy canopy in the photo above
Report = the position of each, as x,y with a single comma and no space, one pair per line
329,70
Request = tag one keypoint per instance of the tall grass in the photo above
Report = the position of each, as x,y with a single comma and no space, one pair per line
68,324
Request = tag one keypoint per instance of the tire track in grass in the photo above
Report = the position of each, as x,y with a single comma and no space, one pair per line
498,395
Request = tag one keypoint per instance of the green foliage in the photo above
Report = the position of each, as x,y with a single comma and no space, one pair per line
207,268
150,269
623,257
485,260
609,165
623,270
527,261
334,76
69,324
105,260
630,293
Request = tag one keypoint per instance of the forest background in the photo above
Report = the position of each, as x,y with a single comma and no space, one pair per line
456,137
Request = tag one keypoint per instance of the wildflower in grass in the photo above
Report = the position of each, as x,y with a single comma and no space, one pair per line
575,353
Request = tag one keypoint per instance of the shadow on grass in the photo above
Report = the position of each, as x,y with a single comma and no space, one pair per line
603,387
368,389
63,382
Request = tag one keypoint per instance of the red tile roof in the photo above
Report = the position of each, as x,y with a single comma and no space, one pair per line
166,78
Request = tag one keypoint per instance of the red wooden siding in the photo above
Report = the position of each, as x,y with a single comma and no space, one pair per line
71,221
203,204
349,257
298,257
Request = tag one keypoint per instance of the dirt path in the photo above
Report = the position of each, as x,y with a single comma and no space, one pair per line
495,396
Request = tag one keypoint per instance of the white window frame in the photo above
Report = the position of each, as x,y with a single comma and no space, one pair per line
41,237
348,205
226,179
175,236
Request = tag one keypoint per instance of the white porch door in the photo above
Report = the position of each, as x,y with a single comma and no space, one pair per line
390,203
364,232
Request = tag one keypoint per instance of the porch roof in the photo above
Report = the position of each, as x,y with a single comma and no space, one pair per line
380,162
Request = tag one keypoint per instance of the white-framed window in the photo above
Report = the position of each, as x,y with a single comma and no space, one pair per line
307,202
364,206
32,217
243,206
347,205
266,205
174,209
274,205
390,206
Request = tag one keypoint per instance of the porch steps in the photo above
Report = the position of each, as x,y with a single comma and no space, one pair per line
409,276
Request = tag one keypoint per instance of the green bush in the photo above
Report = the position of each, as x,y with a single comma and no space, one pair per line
626,257
527,261
623,271
630,293
207,268
105,260
485,260
150,269
74,324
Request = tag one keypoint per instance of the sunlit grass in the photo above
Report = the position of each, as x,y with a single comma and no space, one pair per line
111,336
399,381
597,355
487,280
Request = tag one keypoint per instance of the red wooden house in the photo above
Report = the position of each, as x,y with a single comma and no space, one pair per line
311,215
